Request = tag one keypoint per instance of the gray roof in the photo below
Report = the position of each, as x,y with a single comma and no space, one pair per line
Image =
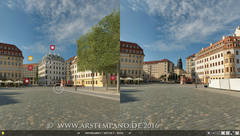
52,57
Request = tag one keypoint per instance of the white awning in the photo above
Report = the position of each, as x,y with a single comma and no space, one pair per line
18,82
138,79
9,81
128,78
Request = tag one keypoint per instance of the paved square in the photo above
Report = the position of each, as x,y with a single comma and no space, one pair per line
181,107
36,108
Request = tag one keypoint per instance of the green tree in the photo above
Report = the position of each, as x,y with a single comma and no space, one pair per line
107,33
86,55
99,50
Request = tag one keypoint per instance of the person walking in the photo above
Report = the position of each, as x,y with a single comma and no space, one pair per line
195,83
75,88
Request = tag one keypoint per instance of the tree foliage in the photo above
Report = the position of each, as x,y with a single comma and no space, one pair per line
99,49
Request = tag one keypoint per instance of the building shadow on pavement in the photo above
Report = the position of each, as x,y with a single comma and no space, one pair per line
130,91
125,98
5,98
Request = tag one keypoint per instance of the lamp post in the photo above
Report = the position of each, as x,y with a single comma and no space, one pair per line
138,78
150,75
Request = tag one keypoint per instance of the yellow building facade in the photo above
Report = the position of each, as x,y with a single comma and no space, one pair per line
84,77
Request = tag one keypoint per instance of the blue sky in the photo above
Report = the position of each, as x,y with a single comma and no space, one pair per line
175,28
33,25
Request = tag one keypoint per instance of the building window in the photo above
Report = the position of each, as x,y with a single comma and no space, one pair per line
236,52
226,60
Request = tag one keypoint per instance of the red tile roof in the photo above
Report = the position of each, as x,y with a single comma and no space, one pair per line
135,45
191,56
12,49
26,65
157,61
225,40
70,59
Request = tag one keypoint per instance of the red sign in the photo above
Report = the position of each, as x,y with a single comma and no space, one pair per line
52,47
26,81
30,67
113,77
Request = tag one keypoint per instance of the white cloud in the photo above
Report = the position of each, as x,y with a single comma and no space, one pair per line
163,46
191,20
63,21
37,47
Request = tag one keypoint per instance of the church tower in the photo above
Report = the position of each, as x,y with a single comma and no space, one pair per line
179,64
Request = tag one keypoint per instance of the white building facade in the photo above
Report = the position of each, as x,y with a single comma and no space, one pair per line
51,70
219,60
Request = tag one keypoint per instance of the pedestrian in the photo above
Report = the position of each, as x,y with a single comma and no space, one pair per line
75,88
195,84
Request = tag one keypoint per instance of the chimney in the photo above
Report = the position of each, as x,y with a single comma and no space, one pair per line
223,37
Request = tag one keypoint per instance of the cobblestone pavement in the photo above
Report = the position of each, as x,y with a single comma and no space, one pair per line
109,94
181,107
41,108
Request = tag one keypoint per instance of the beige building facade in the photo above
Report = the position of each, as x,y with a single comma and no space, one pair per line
219,60
190,67
131,60
11,62
31,74
158,70
69,75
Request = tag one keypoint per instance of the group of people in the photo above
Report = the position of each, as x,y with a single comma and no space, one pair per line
82,86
